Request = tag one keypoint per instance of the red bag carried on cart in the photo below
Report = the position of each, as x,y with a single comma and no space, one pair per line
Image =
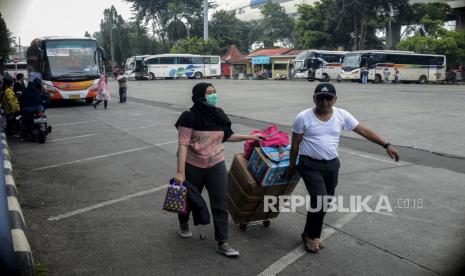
273,138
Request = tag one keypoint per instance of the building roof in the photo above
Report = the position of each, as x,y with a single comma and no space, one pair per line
270,52
233,54
294,52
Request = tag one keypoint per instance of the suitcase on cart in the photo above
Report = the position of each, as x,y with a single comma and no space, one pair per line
245,196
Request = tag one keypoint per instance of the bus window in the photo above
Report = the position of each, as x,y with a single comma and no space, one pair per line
214,60
183,60
436,60
197,60
167,60
153,61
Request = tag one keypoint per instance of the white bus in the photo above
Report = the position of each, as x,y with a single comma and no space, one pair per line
182,65
318,65
134,68
412,67
14,68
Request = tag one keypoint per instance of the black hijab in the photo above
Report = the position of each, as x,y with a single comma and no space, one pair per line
204,116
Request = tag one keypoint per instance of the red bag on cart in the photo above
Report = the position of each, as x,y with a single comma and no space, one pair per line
273,138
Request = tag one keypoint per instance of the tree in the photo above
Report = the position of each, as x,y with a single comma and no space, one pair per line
349,24
5,41
114,36
87,34
196,45
277,26
430,36
171,20
228,30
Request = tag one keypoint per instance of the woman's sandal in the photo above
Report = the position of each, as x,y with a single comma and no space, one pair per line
310,245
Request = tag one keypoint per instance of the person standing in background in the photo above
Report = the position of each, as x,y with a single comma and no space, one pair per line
123,87
365,74
396,75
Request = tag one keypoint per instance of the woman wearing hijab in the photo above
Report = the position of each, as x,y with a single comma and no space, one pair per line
103,93
202,130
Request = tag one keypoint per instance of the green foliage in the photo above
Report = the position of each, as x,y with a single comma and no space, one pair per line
430,37
276,26
451,44
347,24
196,45
167,18
5,41
228,30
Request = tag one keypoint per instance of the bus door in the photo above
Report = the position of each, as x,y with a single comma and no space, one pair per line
207,66
100,57
433,73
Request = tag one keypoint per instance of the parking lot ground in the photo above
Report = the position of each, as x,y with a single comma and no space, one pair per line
92,194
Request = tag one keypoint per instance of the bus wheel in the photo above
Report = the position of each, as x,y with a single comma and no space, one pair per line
377,78
151,76
89,100
422,79
325,78
198,75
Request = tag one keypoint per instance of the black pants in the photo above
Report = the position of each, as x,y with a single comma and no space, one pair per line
12,125
105,103
320,177
122,94
215,179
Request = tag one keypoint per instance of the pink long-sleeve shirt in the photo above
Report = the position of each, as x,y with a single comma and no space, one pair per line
205,148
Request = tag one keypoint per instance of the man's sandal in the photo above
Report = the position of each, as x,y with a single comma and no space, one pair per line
311,245
321,243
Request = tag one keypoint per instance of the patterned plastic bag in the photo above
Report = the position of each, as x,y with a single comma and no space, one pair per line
176,197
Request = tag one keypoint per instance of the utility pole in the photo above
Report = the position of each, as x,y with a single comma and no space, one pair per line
19,48
111,36
391,14
205,20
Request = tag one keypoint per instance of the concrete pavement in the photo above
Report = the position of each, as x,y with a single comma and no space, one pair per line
105,170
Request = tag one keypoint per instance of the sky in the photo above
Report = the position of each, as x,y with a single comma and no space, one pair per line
29,19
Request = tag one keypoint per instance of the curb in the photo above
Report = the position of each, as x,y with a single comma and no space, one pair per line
22,250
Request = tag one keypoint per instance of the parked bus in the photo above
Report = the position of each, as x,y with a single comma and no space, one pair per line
14,68
134,67
68,67
318,65
182,65
412,67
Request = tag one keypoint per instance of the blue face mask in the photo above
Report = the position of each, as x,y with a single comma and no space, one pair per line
212,99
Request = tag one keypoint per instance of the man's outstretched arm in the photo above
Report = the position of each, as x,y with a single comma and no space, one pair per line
375,138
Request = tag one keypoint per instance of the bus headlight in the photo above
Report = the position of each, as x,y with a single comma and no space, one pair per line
93,86
51,89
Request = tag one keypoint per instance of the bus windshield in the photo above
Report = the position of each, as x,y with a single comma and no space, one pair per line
71,59
352,60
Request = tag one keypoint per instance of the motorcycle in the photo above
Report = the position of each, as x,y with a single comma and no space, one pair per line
37,128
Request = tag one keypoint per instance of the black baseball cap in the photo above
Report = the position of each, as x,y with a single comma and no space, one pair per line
325,88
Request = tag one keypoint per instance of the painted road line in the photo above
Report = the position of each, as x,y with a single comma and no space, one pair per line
373,158
74,137
101,156
90,158
106,203
295,254
75,123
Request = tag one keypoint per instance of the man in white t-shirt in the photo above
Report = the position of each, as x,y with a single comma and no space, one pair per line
315,137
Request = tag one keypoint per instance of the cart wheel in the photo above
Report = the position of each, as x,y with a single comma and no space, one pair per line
243,227
266,223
